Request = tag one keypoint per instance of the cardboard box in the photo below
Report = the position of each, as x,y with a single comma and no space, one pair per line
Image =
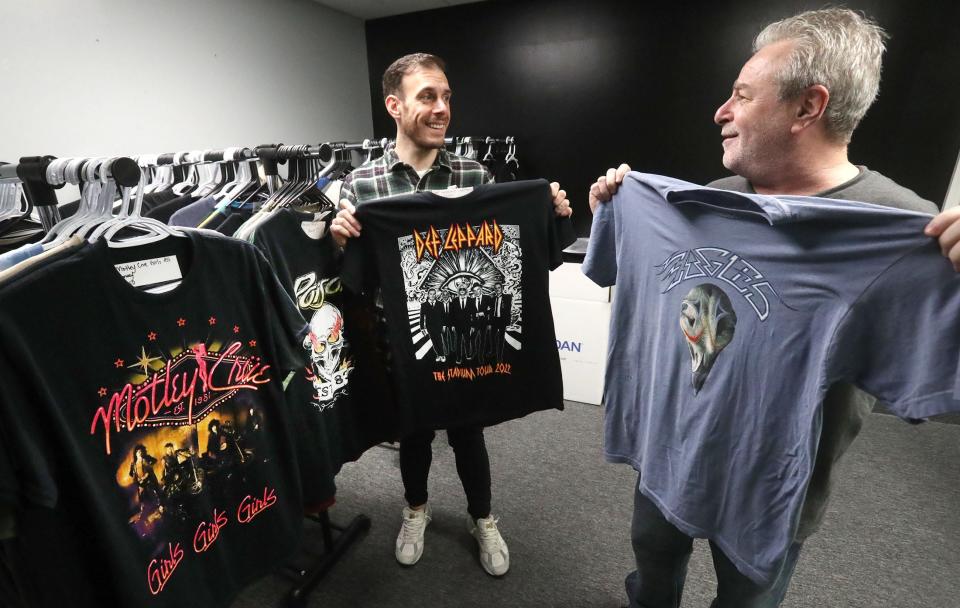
568,281
582,329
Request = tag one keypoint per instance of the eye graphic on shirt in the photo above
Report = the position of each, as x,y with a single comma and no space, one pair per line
707,320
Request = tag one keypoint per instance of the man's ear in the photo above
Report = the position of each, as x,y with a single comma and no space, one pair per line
392,103
813,103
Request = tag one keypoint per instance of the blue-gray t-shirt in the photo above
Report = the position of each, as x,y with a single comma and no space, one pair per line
733,315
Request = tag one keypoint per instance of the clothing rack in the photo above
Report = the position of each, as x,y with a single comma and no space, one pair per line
306,579
39,182
479,140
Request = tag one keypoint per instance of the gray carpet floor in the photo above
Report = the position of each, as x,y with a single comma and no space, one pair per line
891,537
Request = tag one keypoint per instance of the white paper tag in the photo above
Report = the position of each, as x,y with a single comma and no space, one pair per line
453,192
143,273
316,228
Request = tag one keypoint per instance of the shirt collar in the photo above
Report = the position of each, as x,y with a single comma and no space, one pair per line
676,191
393,161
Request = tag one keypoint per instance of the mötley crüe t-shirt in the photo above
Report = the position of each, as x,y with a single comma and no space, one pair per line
734,315
464,284
147,444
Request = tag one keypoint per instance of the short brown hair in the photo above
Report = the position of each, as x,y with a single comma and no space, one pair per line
393,77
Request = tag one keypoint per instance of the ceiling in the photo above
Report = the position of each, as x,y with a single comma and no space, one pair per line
374,9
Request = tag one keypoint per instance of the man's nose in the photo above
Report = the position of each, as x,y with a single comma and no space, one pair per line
723,114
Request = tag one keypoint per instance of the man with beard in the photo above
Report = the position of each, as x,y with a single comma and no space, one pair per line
417,95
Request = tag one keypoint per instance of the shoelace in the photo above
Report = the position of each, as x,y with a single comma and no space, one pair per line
411,527
490,537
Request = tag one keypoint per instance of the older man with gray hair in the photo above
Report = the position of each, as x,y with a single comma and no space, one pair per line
785,131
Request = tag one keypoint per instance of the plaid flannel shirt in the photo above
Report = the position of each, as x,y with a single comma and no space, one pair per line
390,176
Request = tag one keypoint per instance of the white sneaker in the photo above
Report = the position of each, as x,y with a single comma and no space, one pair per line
410,540
494,556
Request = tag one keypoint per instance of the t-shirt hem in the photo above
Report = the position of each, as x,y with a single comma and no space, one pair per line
943,402
481,421
688,528
696,532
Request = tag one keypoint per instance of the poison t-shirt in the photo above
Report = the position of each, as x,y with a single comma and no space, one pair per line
146,442
465,293
734,314
343,388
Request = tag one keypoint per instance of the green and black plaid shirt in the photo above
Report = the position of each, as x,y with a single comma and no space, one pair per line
390,176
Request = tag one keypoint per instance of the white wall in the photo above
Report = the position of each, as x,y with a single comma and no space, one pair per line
123,77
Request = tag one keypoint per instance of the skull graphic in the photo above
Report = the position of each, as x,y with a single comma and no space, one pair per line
707,320
325,341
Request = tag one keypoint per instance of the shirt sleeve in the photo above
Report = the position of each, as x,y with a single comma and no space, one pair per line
900,341
346,191
358,273
263,240
286,325
26,472
600,264
561,235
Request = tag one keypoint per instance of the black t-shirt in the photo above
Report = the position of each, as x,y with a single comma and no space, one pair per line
464,285
233,222
147,444
345,383
164,211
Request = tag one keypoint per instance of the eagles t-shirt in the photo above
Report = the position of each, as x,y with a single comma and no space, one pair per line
734,314
147,446
464,283
345,389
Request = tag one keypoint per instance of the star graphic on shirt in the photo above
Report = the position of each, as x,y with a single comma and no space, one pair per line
144,361
252,343
236,329
102,392
212,321
118,363
181,322
152,336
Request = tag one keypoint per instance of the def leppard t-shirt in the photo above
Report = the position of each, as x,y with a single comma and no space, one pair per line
464,284
345,391
147,446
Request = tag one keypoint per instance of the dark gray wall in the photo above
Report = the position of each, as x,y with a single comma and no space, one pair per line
585,85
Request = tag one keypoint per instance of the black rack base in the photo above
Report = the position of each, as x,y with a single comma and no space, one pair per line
306,579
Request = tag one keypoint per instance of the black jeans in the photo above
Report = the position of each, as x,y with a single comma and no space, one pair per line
473,467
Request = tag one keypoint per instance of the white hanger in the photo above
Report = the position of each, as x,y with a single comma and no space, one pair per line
489,155
511,151
468,150
104,205
212,176
130,218
192,178
68,171
10,199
